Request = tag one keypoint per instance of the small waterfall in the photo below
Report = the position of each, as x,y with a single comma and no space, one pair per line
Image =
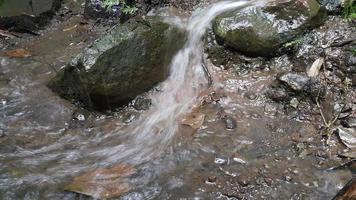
179,92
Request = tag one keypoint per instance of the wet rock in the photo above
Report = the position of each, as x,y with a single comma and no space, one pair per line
95,9
220,161
81,118
288,178
302,84
278,94
333,6
294,103
261,30
194,120
350,66
335,33
230,122
335,58
295,81
142,103
347,137
349,122
126,62
22,15
130,117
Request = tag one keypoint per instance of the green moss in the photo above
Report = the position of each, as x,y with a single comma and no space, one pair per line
294,43
349,11
125,8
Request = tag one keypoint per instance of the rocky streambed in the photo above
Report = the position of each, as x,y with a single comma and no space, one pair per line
275,121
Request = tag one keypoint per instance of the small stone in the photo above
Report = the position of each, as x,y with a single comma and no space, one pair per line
230,122
80,115
239,160
251,96
3,102
220,161
347,136
349,122
288,178
295,81
244,180
294,103
130,118
142,103
278,94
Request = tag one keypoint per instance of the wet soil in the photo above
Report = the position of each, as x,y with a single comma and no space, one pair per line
248,147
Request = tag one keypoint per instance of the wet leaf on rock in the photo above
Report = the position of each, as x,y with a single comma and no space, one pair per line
194,120
103,183
18,53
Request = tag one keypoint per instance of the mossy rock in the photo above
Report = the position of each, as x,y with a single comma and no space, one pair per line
261,30
126,62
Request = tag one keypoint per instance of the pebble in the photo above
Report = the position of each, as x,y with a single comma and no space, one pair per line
230,122
220,161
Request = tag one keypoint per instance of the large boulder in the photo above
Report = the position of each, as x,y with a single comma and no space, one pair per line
261,30
126,62
26,14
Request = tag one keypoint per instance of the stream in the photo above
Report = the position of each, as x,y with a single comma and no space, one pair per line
41,152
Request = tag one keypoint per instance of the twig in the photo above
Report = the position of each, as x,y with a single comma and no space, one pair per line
328,124
207,73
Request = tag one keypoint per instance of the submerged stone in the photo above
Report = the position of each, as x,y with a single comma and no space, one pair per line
26,14
261,30
126,62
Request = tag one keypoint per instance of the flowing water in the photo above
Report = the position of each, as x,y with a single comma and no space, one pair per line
148,137
165,164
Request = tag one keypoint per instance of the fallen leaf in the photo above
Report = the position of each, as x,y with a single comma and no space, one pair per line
194,120
347,137
18,53
103,183
314,70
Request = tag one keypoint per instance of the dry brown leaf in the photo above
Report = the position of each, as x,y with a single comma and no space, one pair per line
194,120
314,70
103,183
18,53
